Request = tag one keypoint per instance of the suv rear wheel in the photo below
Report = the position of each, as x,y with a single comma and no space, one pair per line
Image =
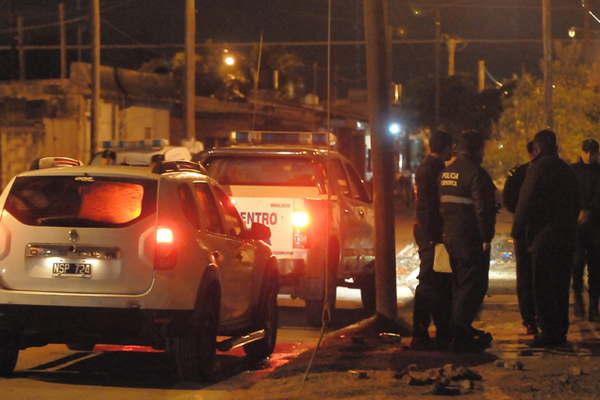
267,318
367,292
9,353
194,351
314,308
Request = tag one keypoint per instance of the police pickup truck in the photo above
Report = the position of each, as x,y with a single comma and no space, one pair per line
316,205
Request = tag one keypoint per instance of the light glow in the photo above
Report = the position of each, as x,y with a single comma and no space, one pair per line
300,219
164,236
229,60
394,128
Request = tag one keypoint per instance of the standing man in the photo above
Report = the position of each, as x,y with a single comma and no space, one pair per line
433,293
468,210
547,216
510,197
587,247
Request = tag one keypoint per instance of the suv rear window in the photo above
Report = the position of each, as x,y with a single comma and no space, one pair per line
266,171
81,201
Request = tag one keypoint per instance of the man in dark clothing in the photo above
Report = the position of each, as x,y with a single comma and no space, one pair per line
468,210
433,293
587,249
547,217
510,197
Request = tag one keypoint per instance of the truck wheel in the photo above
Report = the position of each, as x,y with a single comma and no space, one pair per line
194,352
314,308
367,292
9,353
267,319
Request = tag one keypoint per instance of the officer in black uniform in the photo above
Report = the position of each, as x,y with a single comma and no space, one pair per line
468,210
433,293
547,216
510,197
587,249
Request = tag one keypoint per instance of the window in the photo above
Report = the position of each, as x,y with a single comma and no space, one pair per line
233,222
338,177
81,201
357,186
209,213
188,206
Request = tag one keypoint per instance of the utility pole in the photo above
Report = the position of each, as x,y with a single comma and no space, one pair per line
438,85
481,76
95,123
190,69
378,82
587,48
79,33
451,43
21,50
63,41
547,41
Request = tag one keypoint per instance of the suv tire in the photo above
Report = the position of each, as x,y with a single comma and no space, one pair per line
194,352
314,308
9,353
267,318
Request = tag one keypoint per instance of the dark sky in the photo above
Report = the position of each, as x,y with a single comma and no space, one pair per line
161,21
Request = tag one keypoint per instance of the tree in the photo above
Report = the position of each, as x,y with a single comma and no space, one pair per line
576,112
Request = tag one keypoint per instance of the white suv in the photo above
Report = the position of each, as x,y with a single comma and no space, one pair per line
126,255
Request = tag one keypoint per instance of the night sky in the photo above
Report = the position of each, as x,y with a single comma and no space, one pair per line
161,21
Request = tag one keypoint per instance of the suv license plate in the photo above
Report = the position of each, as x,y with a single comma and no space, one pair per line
72,269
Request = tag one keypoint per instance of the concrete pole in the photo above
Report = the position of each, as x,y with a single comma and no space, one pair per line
451,43
95,122
190,69
63,41
481,76
378,82
21,50
547,40
438,85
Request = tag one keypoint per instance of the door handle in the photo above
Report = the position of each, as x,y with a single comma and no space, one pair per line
361,212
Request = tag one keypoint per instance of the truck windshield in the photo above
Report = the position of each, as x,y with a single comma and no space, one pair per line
266,171
81,201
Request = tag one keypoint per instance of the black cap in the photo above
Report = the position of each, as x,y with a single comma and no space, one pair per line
590,146
470,142
439,141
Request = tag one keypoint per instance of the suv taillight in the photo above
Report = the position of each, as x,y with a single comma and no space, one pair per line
300,223
165,255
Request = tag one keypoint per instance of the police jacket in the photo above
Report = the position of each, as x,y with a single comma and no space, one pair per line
548,204
467,202
588,178
428,224
514,181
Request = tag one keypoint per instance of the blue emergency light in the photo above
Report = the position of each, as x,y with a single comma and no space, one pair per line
320,139
149,144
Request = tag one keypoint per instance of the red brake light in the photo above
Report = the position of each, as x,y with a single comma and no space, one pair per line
300,219
165,256
300,222
164,235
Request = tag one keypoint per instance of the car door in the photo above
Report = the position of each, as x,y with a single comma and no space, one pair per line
239,257
348,216
365,229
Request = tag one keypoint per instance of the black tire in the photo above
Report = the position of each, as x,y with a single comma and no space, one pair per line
194,352
367,293
267,318
81,346
9,353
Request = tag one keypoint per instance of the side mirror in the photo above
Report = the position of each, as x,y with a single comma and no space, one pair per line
260,232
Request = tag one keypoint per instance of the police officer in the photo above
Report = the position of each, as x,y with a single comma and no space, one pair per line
547,216
468,210
587,249
433,293
510,197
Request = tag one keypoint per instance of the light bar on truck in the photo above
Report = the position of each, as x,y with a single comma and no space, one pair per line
149,144
55,162
319,139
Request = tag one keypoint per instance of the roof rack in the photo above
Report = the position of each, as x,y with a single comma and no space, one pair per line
179,166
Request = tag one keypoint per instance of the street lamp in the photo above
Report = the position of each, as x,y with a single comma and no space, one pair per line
572,32
229,60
